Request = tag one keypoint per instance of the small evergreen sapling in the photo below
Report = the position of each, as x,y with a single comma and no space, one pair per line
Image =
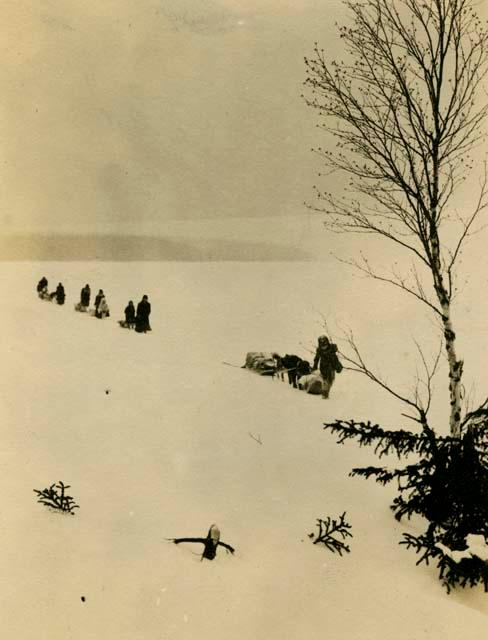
329,530
56,498
448,486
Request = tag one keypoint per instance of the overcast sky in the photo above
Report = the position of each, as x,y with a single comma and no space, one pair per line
117,112
124,115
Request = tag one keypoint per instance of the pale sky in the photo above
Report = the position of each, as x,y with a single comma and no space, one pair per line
117,113
163,117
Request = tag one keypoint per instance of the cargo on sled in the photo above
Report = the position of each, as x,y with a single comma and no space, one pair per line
262,362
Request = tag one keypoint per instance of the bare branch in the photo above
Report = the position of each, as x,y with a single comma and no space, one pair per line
406,108
355,362
395,280
480,205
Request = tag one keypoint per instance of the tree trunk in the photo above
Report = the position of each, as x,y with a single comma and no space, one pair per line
455,365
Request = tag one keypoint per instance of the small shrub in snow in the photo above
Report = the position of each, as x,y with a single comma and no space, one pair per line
56,498
330,533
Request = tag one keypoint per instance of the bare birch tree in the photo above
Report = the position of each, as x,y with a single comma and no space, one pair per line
406,108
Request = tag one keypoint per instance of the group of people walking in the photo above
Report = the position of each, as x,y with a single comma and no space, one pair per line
137,319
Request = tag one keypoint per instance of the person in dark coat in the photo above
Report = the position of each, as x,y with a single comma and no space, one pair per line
130,315
85,296
142,316
60,294
98,299
42,286
327,362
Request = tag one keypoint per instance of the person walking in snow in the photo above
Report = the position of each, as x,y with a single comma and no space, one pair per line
98,299
130,315
60,294
42,287
85,296
327,362
142,316
103,310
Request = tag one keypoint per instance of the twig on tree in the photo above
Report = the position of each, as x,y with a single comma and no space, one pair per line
355,362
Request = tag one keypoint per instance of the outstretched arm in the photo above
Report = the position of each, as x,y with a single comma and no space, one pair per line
178,540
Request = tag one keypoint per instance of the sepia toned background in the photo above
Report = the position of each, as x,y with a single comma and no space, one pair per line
164,148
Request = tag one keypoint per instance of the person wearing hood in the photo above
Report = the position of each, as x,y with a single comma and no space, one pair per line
85,296
103,309
327,362
60,294
42,287
142,316
130,315
98,298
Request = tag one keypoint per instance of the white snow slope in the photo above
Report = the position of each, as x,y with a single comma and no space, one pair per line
155,436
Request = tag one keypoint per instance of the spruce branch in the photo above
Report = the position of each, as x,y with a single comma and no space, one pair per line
328,531
401,442
56,498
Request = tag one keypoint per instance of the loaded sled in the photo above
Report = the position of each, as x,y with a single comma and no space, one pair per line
127,325
262,363
44,295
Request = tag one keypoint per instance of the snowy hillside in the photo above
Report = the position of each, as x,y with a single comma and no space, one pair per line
159,439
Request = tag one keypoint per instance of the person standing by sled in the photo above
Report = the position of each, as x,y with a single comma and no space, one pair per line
142,316
85,296
98,299
130,315
327,362
103,310
60,294
42,287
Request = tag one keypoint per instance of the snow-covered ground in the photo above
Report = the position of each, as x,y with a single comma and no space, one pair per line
158,439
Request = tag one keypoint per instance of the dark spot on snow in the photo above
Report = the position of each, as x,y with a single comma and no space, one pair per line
83,598
107,391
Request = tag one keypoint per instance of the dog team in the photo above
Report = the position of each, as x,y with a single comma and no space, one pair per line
316,380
